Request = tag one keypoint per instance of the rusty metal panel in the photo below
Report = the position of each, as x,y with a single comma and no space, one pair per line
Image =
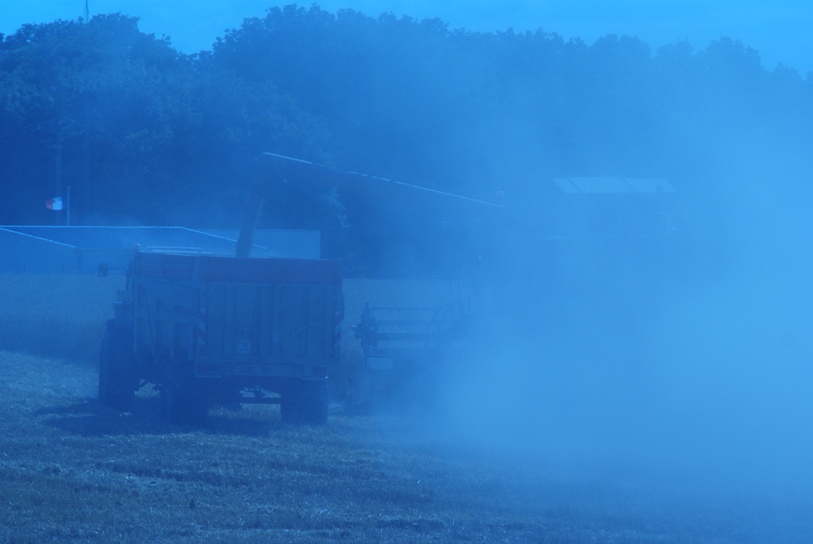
280,312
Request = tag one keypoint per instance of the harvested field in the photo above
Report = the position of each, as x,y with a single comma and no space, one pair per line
73,471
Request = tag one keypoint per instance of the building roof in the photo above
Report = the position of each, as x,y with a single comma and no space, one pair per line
613,185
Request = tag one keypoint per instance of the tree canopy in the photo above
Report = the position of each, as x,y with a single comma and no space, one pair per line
144,134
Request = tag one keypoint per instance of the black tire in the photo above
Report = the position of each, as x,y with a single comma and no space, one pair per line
182,402
290,407
305,401
117,379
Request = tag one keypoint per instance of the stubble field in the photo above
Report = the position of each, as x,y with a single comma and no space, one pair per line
73,471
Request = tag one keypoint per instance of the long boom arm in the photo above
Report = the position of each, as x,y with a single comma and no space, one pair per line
273,171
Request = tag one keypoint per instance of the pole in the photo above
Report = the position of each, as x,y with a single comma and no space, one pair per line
58,171
84,186
68,206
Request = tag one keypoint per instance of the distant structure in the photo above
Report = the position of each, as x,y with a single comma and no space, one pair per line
616,206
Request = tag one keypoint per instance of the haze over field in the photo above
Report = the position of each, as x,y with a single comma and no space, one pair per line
697,368
633,251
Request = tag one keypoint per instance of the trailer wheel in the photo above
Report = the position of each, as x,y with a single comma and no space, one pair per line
117,379
184,407
305,401
316,402
182,402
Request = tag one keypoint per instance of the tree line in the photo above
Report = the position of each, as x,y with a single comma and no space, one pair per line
143,134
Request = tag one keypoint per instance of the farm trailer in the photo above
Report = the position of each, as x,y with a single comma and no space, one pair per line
208,329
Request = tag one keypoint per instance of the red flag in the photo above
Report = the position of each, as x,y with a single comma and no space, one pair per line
54,203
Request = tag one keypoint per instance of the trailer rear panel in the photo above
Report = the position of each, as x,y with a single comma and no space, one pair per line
239,317
205,328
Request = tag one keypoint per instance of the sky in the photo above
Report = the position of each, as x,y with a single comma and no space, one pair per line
778,30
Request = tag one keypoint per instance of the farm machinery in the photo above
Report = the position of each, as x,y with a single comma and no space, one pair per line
404,347
403,352
243,329
229,329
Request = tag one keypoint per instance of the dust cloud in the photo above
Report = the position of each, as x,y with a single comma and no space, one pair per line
686,355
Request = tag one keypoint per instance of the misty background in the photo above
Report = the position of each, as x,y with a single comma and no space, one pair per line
602,333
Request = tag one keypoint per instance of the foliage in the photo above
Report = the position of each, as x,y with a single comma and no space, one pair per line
153,136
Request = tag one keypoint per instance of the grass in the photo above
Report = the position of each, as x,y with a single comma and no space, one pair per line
72,471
